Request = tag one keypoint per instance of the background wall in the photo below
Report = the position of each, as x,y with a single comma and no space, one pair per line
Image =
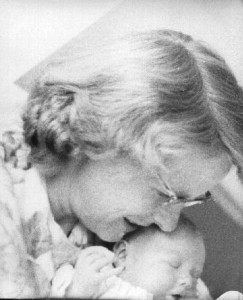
34,29
30,30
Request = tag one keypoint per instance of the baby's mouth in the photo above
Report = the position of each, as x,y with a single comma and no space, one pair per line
174,297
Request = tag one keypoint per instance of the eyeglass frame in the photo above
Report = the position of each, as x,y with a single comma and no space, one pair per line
174,199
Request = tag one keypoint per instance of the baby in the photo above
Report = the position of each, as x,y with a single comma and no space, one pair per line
153,264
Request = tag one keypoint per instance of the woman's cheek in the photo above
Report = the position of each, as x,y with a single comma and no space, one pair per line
111,231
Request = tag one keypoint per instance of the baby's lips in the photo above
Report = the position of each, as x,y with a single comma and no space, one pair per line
191,293
170,297
180,296
178,293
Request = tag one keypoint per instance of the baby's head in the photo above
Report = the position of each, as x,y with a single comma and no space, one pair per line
160,262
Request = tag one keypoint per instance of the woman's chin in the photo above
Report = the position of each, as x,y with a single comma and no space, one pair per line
114,231
110,237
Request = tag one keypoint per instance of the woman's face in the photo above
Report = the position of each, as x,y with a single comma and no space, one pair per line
111,197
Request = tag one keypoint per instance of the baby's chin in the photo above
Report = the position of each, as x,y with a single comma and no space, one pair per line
126,276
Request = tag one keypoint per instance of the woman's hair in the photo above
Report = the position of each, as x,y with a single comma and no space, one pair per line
149,95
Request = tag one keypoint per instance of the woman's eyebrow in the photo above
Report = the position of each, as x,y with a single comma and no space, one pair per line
181,194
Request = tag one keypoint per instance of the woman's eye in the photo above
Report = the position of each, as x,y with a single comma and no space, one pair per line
163,196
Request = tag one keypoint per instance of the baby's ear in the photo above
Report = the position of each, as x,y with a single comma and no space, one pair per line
120,250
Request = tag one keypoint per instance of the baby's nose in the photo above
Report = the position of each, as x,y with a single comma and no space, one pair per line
186,282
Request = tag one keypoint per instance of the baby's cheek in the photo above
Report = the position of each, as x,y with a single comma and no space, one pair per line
161,282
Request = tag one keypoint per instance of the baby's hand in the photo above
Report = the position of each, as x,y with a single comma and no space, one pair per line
62,280
88,275
232,295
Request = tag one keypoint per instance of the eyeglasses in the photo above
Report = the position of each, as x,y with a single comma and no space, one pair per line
174,199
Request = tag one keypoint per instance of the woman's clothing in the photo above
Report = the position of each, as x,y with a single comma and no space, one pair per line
47,245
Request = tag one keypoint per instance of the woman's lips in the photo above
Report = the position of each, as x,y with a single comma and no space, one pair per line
129,225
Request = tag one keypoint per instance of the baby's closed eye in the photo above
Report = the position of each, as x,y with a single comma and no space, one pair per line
175,263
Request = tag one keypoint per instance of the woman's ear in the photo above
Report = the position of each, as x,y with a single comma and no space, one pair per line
120,250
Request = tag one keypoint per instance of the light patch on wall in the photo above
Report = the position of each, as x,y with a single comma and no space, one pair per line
29,31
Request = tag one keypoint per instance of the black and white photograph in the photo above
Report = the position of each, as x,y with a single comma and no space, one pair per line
121,149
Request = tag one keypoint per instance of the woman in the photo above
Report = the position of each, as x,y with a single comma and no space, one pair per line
131,133
115,129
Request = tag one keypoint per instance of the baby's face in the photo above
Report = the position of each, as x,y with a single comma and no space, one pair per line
165,264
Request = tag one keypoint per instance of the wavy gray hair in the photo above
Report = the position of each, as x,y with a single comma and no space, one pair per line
149,95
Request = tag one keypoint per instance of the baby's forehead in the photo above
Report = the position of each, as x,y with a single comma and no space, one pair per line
178,247
153,239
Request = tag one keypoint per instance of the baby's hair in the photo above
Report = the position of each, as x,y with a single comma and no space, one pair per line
149,95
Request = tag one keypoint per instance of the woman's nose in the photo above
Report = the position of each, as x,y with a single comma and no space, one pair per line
167,216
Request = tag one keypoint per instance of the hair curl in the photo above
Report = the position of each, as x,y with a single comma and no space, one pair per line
149,95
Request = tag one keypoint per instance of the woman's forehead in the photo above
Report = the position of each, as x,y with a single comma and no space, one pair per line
188,176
